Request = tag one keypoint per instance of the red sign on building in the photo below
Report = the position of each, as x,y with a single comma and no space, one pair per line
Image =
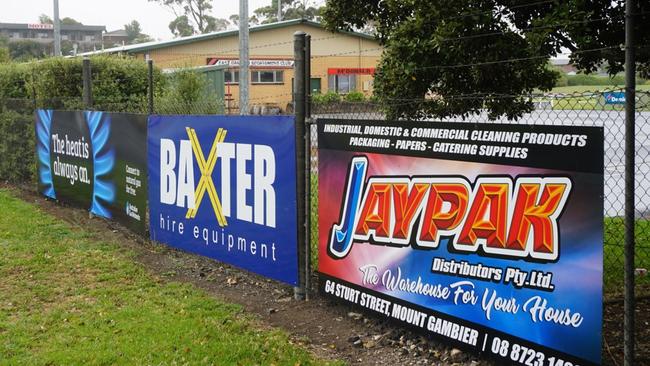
351,71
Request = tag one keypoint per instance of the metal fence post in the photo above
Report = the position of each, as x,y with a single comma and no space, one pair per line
86,75
299,108
308,123
87,92
630,86
150,86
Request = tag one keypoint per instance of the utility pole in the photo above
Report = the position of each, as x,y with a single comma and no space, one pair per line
244,74
57,30
279,10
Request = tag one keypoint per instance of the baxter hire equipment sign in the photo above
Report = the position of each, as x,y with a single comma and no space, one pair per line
224,187
487,235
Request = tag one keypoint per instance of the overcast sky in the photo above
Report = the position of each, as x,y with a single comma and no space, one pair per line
153,17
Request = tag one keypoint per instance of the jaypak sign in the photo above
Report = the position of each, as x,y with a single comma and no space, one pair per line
489,236
225,187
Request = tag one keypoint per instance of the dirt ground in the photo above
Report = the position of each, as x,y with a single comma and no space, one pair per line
329,329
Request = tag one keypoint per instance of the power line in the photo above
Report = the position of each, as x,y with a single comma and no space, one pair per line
557,25
519,59
510,7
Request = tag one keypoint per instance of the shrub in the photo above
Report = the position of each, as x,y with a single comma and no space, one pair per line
329,97
13,80
354,96
187,93
18,162
119,84
562,80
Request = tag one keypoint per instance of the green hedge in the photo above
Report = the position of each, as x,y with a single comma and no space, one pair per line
17,152
119,84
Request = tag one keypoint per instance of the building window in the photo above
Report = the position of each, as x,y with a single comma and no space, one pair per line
88,38
341,83
231,77
267,76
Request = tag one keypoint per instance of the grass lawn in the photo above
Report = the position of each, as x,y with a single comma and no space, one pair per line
594,88
67,299
592,98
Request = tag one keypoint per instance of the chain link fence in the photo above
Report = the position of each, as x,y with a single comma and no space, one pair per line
575,109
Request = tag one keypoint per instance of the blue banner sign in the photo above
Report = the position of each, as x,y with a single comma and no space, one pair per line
614,97
225,187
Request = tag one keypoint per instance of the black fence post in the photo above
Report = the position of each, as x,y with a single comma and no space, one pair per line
150,86
86,75
299,108
308,123
630,86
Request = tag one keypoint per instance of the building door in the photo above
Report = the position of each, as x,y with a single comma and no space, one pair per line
314,85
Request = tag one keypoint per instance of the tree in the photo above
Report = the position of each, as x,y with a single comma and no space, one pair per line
26,50
234,20
216,24
181,27
45,19
291,9
134,33
606,35
70,21
456,57
192,17
133,30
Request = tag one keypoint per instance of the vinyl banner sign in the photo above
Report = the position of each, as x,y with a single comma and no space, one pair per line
225,187
95,160
489,236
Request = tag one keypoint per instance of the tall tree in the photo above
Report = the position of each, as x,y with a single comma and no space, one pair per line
291,9
454,57
192,15
133,30
70,21
25,50
234,20
181,27
606,35
134,33
45,19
